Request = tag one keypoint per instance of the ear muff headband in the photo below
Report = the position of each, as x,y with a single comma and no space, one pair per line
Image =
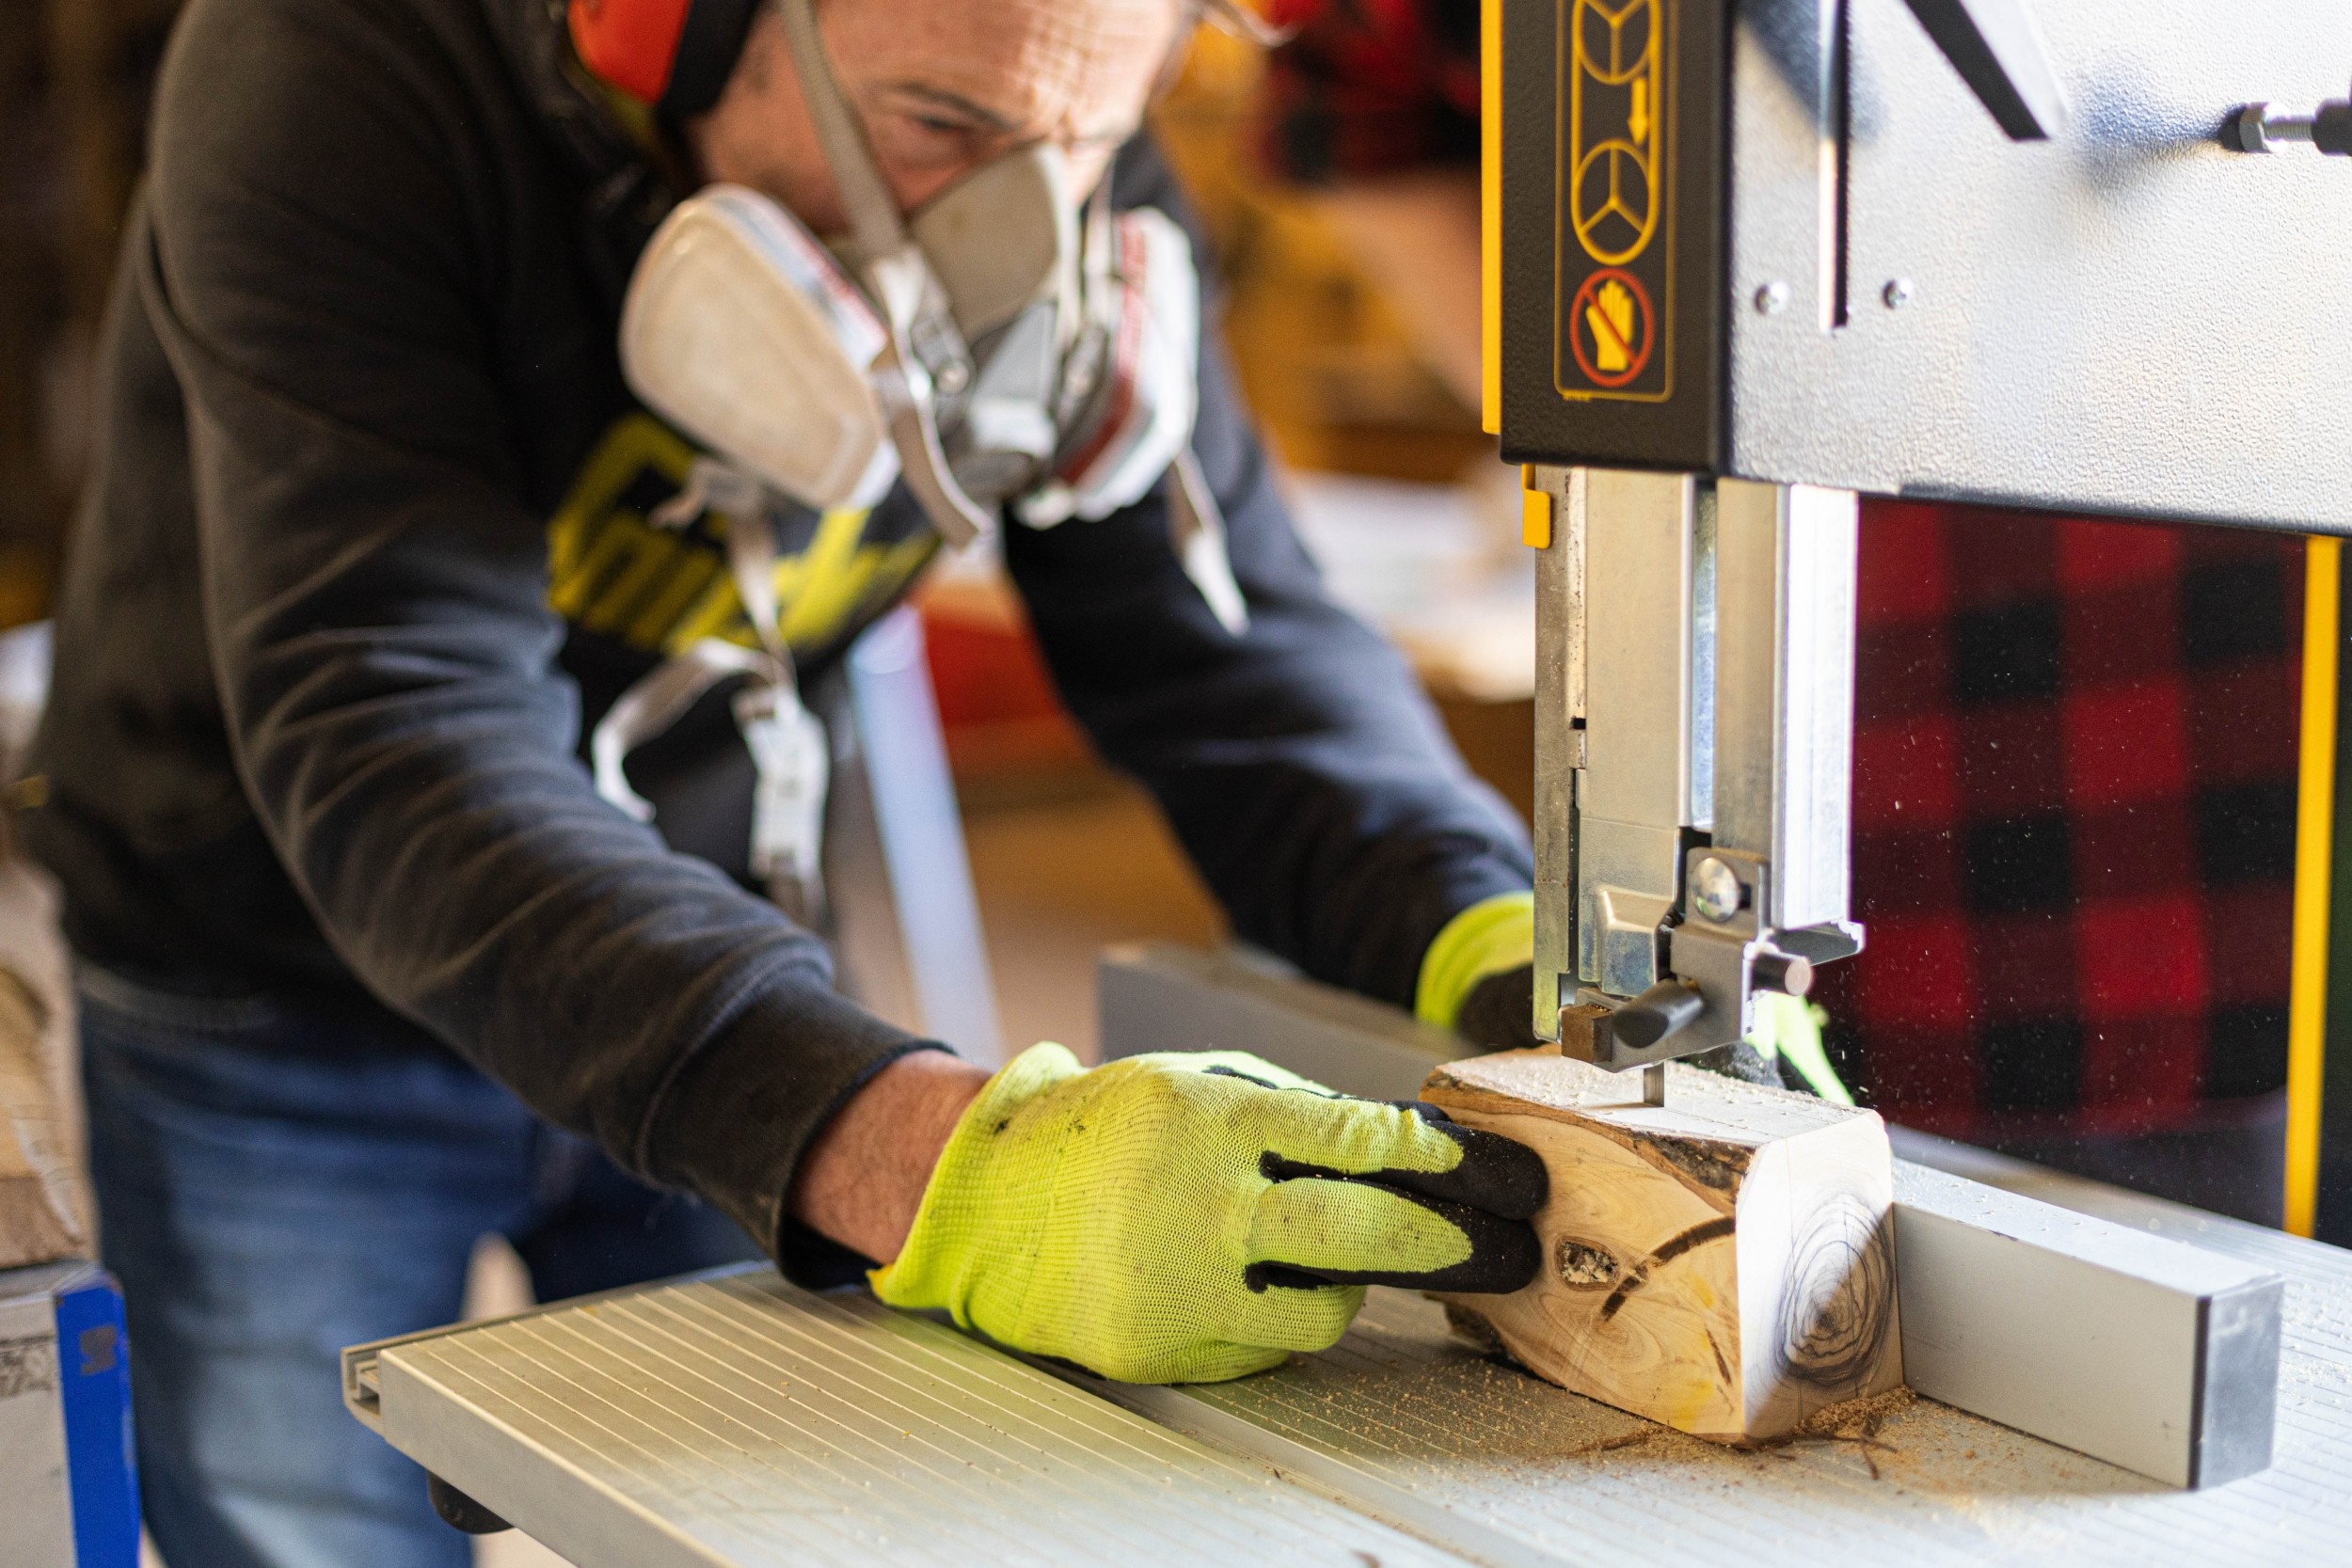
678,53
673,53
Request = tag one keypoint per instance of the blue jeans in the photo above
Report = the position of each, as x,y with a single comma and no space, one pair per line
267,1199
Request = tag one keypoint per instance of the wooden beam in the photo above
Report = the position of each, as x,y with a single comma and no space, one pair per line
1723,1264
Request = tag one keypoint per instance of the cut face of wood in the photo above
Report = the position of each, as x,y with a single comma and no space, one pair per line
1723,1264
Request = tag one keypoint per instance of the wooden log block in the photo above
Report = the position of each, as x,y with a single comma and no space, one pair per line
1723,1264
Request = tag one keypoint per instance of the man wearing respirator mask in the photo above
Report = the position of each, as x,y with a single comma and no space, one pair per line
500,386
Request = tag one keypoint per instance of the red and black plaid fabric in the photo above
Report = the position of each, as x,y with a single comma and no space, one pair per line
1372,86
2074,801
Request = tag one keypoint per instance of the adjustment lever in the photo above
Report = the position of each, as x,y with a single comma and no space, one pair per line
1667,1007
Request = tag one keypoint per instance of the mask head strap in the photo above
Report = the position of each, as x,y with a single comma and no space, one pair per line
927,351
873,212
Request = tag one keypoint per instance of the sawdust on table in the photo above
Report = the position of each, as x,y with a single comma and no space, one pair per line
1856,1419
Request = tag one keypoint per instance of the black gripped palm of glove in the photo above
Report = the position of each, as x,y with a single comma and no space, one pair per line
1490,1196
1188,1217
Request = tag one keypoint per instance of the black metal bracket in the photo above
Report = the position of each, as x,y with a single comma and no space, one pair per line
459,1512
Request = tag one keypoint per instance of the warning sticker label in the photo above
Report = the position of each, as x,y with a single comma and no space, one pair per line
1615,254
1614,328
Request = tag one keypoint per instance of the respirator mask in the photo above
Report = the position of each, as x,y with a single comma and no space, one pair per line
1014,345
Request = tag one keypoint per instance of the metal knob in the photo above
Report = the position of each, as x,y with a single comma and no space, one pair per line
1785,973
2261,128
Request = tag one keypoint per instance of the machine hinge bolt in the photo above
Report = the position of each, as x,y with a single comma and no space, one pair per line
1899,294
2257,128
1715,891
1772,300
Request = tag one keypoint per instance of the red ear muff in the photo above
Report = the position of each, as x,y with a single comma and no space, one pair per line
677,54
630,44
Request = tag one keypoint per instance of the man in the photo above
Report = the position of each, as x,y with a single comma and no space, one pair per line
371,968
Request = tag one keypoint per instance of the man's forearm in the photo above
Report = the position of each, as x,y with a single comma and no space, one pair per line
864,1175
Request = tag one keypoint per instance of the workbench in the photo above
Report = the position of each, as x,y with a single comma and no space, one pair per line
737,1419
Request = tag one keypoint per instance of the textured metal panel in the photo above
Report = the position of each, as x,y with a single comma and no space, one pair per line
2128,319
738,1420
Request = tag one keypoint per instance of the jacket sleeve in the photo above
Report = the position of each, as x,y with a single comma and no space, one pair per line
317,266
1300,765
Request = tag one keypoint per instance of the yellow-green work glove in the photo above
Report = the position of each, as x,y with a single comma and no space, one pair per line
1478,978
1186,1218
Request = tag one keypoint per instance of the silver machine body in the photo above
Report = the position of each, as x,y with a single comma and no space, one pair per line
2084,256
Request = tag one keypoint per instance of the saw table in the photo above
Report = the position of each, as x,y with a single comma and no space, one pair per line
734,1419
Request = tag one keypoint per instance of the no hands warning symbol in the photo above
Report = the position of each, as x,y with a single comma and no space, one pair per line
1613,328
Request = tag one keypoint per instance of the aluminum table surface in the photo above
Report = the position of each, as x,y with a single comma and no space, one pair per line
738,1420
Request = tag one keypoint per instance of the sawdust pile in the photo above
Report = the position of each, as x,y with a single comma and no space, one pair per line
1856,1419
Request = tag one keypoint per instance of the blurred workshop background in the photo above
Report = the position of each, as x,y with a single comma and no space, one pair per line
2075,805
